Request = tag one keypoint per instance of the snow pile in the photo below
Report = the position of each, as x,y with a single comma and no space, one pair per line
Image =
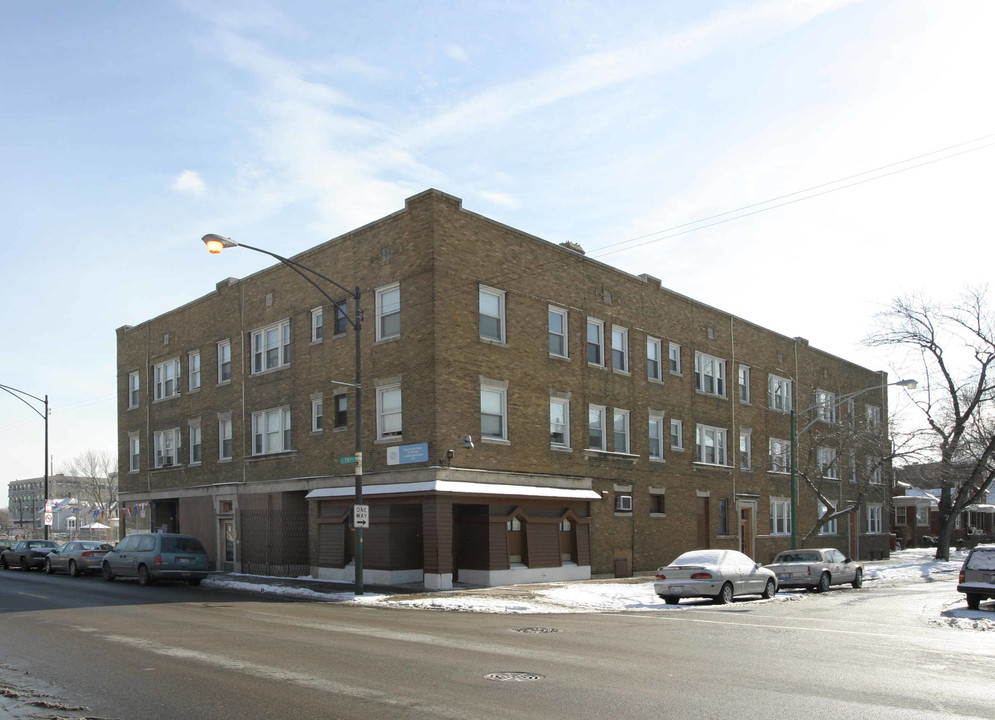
916,564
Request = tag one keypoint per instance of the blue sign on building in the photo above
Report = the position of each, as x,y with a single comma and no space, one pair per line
407,454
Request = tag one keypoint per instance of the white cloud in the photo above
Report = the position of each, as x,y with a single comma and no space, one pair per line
456,52
189,182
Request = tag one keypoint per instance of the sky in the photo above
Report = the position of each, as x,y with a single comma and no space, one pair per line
798,164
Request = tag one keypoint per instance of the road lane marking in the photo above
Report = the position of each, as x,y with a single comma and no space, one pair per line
40,597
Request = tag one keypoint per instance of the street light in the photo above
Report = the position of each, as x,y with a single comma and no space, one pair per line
908,384
217,243
21,395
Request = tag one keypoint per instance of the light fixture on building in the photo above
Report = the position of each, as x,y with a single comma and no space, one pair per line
447,457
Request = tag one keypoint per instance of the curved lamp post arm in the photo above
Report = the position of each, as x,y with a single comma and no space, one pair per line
21,395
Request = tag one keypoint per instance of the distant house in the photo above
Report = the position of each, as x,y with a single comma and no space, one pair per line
916,514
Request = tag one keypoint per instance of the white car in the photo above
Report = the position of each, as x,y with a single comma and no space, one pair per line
717,574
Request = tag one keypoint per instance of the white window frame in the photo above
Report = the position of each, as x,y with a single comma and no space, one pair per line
196,445
193,370
596,415
341,323
270,439
745,449
825,459
166,447
620,354
676,433
491,393
674,359
922,516
875,515
559,422
743,384
620,430
341,408
872,417
779,393
134,389
654,358
266,355
780,455
874,474
167,379
825,406
491,295
716,438
561,337
225,436
832,526
390,412
317,414
598,326
655,435
224,361
388,311
134,452
317,324
780,516
709,374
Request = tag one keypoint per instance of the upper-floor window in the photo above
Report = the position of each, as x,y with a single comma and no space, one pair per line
711,444
559,422
874,474
167,379
745,449
388,302
166,444
558,332
709,374
825,406
134,453
872,415
675,358
271,347
654,358
341,318
780,456
271,431
134,388
779,392
826,460
493,412
341,410
595,342
491,308
224,361
744,384
317,324
389,411
195,447
193,370
596,427
620,349
224,439
830,527
317,414
620,427
676,434
656,436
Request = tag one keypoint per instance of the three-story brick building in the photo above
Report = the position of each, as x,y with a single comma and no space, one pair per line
615,423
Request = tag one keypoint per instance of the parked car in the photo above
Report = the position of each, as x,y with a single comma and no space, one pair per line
815,569
977,575
717,574
77,557
27,554
157,556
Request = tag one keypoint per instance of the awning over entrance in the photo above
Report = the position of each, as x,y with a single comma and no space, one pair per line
458,488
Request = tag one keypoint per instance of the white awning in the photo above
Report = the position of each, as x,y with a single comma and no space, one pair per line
912,501
451,487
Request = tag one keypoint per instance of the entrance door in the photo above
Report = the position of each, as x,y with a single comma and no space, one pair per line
228,544
703,534
747,514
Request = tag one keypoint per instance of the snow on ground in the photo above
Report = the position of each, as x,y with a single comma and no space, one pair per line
635,594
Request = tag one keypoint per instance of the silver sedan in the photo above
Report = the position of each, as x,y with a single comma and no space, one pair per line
717,574
77,557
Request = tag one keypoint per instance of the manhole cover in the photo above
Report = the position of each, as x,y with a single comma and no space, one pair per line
512,676
536,630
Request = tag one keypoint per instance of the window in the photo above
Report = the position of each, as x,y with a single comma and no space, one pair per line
656,437
853,468
388,412
167,445
723,516
341,318
658,501
271,347
654,358
224,361
780,516
873,518
271,431
780,456
596,427
744,384
167,376
195,443
709,374
710,445
675,358
831,527
825,406
491,307
317,323
620,349
134,387
557,331
825,458
677,434
559,423
779,392
134,453
745,449
874,470
224,439
341,410
493,413
872,414
193,370
922,515
620,427
595,342
388,312
317,414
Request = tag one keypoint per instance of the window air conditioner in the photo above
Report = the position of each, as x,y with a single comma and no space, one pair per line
623,502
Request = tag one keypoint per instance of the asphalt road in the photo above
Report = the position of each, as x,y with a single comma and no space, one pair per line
92,649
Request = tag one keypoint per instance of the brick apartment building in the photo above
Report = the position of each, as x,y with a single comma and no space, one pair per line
615,423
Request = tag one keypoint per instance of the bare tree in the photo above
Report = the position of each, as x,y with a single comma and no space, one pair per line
954,345
95,475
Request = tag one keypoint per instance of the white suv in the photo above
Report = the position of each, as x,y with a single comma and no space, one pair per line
977,576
